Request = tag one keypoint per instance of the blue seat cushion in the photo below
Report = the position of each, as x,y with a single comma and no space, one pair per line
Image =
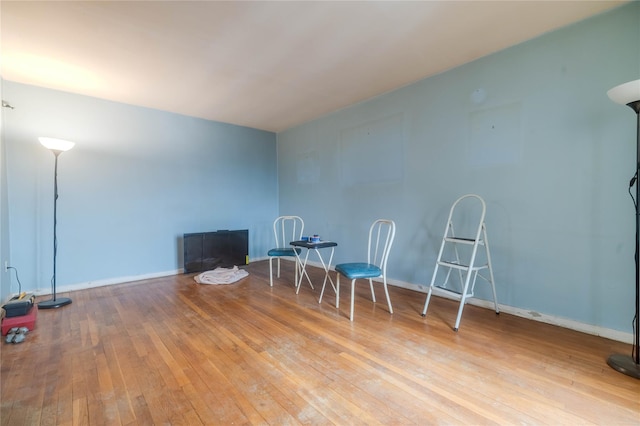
359,270
283,251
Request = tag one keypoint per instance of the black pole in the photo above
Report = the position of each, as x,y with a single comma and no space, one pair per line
55,302
630,365
55,219
636,107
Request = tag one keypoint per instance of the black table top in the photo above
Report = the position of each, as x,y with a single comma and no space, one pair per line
310,245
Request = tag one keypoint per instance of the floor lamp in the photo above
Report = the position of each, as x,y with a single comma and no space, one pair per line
57,146
629,94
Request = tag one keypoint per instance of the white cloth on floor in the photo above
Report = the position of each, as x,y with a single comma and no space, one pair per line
221,276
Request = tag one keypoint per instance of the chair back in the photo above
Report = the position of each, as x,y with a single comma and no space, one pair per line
381,235
287,229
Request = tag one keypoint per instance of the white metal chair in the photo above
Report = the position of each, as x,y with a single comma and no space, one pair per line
381,235
285,229
459,251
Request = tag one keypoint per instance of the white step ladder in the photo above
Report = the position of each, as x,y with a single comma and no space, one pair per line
462,253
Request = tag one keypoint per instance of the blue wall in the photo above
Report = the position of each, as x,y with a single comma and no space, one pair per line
548,151
136,180
546,148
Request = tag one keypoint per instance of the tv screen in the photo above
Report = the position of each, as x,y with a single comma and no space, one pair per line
205,251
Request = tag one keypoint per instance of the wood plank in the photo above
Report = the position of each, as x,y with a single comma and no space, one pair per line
170,351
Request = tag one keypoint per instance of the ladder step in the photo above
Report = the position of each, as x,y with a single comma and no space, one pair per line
453,293
469,241
448,290
462,267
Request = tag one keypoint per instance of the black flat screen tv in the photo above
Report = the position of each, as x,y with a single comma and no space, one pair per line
205,251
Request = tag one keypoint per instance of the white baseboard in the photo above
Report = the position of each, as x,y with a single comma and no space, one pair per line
607,333
109,281
531,315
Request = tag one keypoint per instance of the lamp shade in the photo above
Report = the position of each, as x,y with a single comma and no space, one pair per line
56,144
625,93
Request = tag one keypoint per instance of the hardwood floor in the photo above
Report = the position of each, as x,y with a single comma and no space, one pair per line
170,351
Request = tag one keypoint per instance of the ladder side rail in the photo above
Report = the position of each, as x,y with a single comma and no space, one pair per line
435,270
463,300
476,243
457,254
426,302
471,265
465,289
490,267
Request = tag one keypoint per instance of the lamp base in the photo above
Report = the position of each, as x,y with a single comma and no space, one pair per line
625,365
54,303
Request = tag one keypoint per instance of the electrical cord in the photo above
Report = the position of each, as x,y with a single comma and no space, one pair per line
633,328
17,279
632,182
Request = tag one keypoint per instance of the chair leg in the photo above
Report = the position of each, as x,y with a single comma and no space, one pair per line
337,289
386,291
278,267
353,292
271,272
373,293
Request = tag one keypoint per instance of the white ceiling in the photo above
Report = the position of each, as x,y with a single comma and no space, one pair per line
269,65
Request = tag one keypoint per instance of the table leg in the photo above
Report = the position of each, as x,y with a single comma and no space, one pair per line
303,272
326,274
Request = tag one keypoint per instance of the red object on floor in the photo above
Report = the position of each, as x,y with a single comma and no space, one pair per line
28,321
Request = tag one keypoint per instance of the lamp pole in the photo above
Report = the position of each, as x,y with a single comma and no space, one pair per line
629,94
57,147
